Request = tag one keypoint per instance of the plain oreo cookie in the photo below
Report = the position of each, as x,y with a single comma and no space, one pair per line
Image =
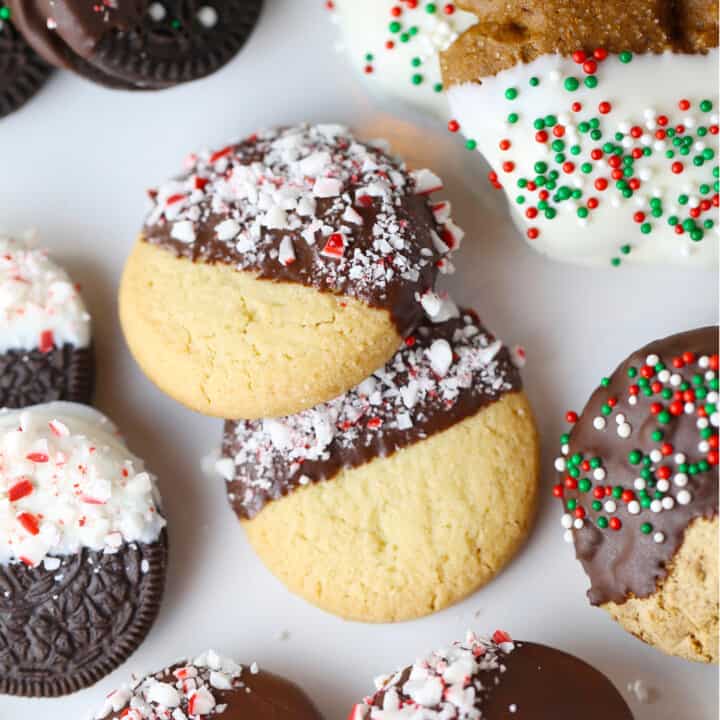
138,45
83,550
22,72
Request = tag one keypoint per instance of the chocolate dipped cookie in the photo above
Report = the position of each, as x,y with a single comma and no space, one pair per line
208,686
45,334
280,271
405,494
600,122
137,44
83,549
494,679
639,485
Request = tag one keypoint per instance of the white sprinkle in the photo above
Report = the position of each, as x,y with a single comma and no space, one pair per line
560,464
633,507
610,506
659,537
599,423
624,430
327,187
183,231
440,354
286,252
227,230
207,16
683,497
566,521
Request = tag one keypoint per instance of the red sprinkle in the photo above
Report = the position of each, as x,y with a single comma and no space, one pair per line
47,341
19,490
29,522
453,126
37,457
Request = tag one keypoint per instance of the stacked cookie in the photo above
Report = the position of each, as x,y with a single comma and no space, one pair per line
288,282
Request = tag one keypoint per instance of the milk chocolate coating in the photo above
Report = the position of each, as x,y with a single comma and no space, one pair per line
63,630
543,683
31,377
626,562
432,414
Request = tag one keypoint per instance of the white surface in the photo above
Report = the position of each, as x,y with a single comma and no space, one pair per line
75,164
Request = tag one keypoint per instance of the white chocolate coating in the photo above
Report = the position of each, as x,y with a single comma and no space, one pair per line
365,29
67,481
639,93
39,305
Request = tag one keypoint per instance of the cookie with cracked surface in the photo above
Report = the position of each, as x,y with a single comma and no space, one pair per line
639,484
83,550
405,494
493,679
282,270
209,685
602,118
45,337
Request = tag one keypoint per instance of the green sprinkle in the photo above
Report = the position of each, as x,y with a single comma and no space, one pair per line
511,93
417,79
602,522
534,82
584,485
571,504
625,249
431,8
615,262
591,81
471,144
625,57
394,26
512,118
646,528
596,505
582,212
438,87
4,13
646,228
571,84
416,62
634,456
706,106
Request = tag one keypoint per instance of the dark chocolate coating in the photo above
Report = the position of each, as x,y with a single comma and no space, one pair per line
626,562
59,636
543,684
124,47
22,72
431,415
31,377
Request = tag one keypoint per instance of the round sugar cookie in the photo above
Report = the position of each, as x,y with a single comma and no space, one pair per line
639,484
83,550
209,686
45,330
282,270
494,679
599,123
405,494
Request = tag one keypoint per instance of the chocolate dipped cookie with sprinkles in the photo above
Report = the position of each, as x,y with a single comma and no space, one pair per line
396,46
137,44
83,549
403,495
45,340
279,271
495,678
208,686
600,122
639,486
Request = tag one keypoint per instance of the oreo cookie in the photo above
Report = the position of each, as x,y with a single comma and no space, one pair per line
22,72
45,352
138,44
83,550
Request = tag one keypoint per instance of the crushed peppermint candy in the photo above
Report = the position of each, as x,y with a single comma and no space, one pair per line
313,205
442,374
40,307
67,481
186,691
448,684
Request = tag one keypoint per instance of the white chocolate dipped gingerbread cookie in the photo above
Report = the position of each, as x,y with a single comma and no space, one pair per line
405,494
600,123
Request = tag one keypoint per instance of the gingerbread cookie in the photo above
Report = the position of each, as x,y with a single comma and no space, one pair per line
22,72
82,549
209,686
45,351
405,494
639,484
494,679
280,271
396,46
599,122
137,44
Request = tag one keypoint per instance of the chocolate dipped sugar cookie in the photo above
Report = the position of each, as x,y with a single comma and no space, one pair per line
83,549
45,351
280,271
639,484
405,494
137,44
22,72
208,686
494,679
600,122
396,46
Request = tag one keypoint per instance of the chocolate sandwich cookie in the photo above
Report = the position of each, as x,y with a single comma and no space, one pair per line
600,122
45,351
22,72
83,550
209,685
138,44
403,495
495,679
280,271
639,484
